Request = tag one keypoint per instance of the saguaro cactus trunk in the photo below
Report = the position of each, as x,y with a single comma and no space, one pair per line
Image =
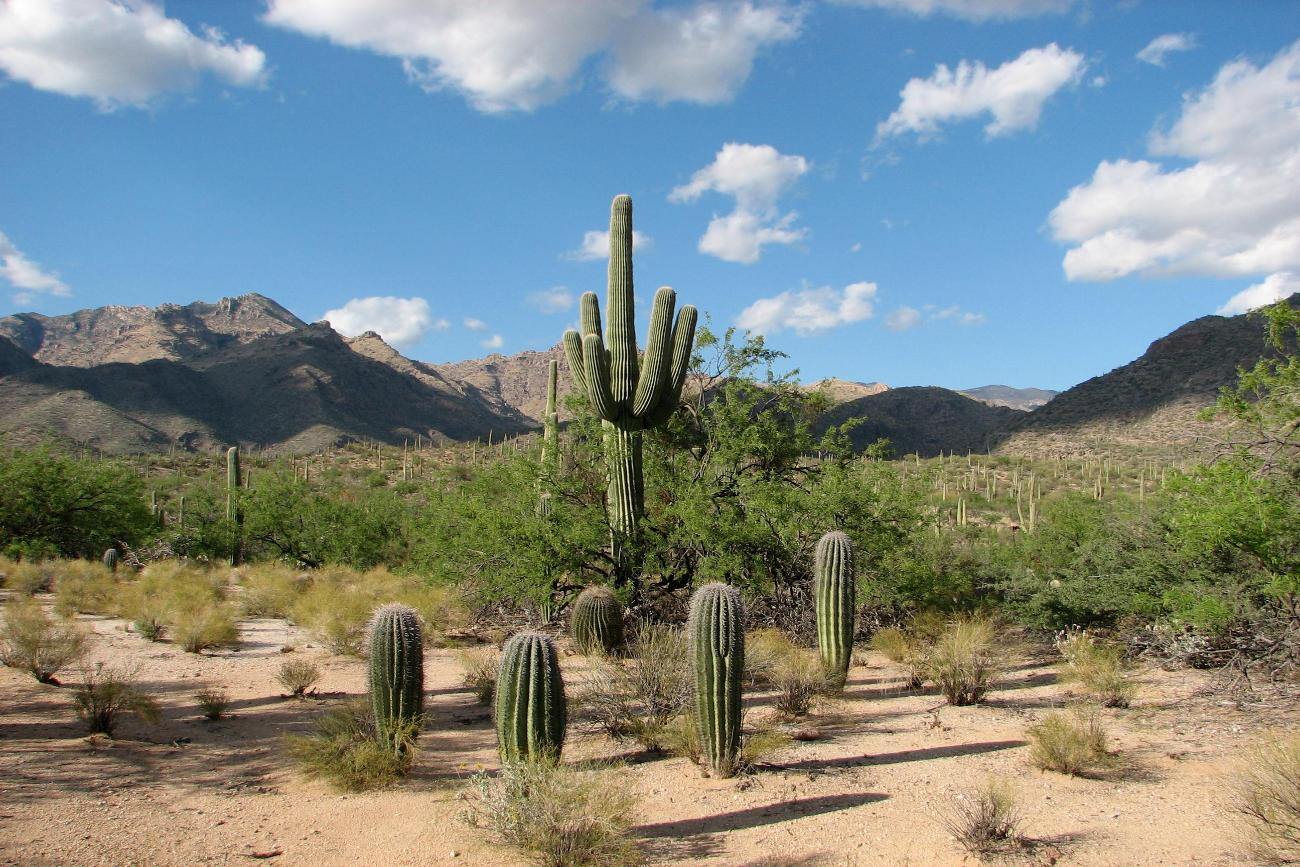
717,635
234,514
630,393
833,565
531,713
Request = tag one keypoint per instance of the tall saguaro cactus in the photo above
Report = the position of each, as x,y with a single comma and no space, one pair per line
550,441
396,672
234,481
833,568
530,708
717,635
630,393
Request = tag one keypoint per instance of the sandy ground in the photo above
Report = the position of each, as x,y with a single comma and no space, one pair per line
872,790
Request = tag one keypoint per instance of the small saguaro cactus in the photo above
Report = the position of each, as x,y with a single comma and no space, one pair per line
717,636
110,559
530,709
833,568
234,481
396,672
597,623
550,441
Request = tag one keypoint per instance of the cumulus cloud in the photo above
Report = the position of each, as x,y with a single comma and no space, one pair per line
809,310
557,299
474,324
595,245
1159,48
116,52
755,176
496,341
399,321
505,55
954,312
1274,287
903,319
1013,94
29,278
969,10
1228,207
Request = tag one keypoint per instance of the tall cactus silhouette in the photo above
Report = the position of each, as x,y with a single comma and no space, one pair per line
629,393
833,568
530,709
396,672
234,481
550,441
717,634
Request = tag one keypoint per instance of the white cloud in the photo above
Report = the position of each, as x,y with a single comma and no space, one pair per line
475,324
1014,93
116,52
494,342
970,10
903,319
505,55
399,321
1228,207
441,324
755,176
557,299
1274,287
855,247
29,278
595,245
809,310
1157,49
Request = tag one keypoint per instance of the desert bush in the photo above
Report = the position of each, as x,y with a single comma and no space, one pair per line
196,620
1071,742
759,744
336,608
107,694
33,641
29,577
441,607
892,643
764,651
85,587
298,676
270,589
637,697
680,737
927,626
169,592
799,678
559,816
964,660
1099,668
344,749
213,701
1267,794
480,665
985,821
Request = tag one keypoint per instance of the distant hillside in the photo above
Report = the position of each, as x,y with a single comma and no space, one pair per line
1005,395
842,390
511,383
925,420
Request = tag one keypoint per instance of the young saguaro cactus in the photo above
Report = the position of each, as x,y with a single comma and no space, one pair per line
530,709
717,636
630,393
110,559
234,481
834,586
597,623
550,440
396,672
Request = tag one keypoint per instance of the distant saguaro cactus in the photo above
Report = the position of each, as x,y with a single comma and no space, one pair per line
550,440
396,672
530,708
597,623
110,559
630,393
835,591
234,481
717,635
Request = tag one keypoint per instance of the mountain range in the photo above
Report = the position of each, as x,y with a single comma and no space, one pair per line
246,370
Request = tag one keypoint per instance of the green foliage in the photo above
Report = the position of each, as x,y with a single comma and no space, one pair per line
717,635
1072,742
298,676
31,640
965,660
1098,667
212,701
84,587
344,749
396,672
1266,793
531,714
597,621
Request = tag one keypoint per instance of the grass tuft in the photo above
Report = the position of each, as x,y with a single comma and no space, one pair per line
480,665
344,750
33,641
1266,793
987,821
298,676
1098,667
965,660
213,702
1071,742
105,695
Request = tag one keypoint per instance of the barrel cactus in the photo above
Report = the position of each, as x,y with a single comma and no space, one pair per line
530,710
396,673
597,623
717,635
110,559
833,567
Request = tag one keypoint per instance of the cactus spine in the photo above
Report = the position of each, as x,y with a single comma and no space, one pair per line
530,709
717,636
597,621
629,393
833,565
110,559
396,673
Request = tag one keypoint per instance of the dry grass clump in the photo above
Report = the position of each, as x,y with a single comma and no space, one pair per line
298,676
480,665
965,660
345,750
1267,794
764,651
557,815
1098,667
33,641
27,577
681,737
893,643
799,679
213,702
107,694
85,587
1071,742
271,589
336,607
177,600
638,697
986,821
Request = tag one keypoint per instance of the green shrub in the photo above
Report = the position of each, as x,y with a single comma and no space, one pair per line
107,694
85,587
635,698
33,641
344,749
964,660
271,589
893,644
298,676
1069,743
480,665
799,679
985,821
212,702
1097,667
197,622
29,577
1267,795
765,649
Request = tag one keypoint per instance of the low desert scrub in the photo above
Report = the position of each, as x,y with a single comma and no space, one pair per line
182,602
925,627
557,815
107,694
271,589
1267,794
985,821
197,626
298,676
480,665
27,577
213,702
637,697
893,644
799,679
965,660
1072,742
85,587
32,640
1098,667
344,749
681,738
764,650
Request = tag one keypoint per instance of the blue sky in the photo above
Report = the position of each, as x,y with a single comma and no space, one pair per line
948,192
